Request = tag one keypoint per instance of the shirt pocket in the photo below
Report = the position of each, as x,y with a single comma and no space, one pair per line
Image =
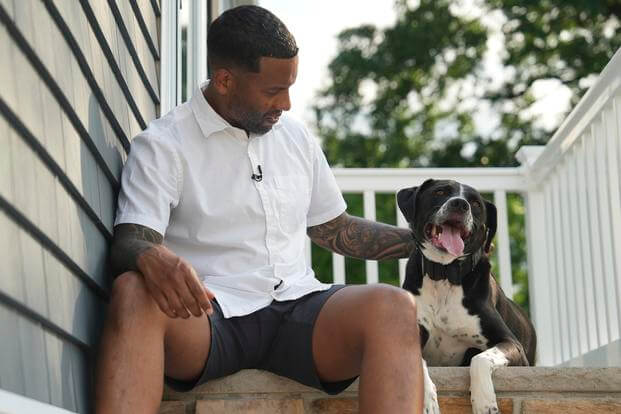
292,200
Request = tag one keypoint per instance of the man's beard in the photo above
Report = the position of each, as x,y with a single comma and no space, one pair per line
249,120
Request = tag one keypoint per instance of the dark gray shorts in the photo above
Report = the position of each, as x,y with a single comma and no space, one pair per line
277,338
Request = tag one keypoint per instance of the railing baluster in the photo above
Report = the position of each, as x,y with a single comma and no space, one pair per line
502,235
585,246
552,276
369,214
568,243
338,268
613,135
596,270
605,228
309,252
560,268
401,222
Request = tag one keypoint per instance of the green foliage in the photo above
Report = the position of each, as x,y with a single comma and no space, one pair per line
407,95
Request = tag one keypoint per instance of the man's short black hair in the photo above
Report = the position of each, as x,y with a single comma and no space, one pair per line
242,35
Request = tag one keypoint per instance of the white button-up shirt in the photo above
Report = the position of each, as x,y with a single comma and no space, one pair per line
188,176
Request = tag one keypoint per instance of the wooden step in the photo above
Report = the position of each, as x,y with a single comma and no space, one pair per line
520,390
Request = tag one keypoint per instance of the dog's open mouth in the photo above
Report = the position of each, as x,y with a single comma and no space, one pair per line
448,236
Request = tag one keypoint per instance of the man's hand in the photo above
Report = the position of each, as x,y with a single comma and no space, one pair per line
171,280
173,283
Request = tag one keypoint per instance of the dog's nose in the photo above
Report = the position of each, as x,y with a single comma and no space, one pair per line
459,204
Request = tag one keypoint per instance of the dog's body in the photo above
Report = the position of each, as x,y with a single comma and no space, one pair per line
464,317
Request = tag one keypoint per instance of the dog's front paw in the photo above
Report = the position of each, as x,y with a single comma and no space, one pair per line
484,407
431,399
431,395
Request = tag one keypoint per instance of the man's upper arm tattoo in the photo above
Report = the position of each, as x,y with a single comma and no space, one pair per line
128,243
363,239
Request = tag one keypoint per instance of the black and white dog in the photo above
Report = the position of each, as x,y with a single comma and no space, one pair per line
463,315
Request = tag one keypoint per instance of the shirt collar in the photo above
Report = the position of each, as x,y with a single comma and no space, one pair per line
208,119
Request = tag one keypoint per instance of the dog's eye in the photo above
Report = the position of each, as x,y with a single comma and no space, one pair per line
476,204
439,192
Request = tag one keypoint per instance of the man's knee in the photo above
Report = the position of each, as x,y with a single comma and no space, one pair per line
392,311
130,297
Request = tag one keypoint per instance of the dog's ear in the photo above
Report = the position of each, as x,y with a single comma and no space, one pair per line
406,199
491,224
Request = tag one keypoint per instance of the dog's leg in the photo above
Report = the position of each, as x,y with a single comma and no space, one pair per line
482,393
431,395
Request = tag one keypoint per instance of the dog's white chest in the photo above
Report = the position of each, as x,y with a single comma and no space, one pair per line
452,330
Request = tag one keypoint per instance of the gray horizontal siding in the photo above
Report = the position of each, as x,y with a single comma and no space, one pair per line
80,80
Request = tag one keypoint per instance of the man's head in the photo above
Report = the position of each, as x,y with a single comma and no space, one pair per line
253,62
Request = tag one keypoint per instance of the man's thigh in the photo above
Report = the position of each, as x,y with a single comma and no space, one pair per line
186,347
345,319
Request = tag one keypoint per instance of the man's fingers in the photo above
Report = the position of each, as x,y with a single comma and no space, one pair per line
197,291
175,304
160,299
188,300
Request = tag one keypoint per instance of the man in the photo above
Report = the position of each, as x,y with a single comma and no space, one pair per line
217,197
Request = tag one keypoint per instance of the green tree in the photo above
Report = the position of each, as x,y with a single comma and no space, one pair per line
407,95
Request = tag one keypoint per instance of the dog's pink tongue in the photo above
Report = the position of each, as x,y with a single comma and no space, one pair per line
451,240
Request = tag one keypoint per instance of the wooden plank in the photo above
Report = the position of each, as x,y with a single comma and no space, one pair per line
11,371
33,275
82,381
338,268
6,169
33,360
7,76
150,19
60,375
10,280
145,57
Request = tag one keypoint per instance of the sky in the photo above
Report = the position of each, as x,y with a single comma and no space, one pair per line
316,23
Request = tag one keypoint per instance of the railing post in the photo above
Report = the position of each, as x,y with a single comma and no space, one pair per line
538,279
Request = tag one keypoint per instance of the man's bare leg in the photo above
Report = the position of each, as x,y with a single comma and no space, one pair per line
372,331
132,361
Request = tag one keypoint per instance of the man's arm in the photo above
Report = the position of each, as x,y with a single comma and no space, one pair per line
363,239
171,280
129,242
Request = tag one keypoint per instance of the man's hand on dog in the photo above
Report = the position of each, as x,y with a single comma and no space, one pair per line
174,284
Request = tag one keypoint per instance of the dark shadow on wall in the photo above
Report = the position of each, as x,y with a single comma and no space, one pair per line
78,365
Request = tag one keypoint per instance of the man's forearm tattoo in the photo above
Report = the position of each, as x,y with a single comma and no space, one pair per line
129,242
363,239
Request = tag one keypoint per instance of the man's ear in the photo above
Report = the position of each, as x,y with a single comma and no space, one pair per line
491,224
406,199
222,80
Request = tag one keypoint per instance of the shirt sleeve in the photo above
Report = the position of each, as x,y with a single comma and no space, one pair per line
327,200
150,183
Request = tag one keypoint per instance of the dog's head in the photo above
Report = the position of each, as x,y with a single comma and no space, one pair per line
449,219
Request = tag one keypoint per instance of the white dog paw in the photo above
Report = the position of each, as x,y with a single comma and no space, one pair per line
431,402
484,408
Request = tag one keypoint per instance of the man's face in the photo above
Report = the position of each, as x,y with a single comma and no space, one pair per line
258,99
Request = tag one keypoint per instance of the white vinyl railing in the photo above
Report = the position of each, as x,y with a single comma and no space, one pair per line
368,182
573,208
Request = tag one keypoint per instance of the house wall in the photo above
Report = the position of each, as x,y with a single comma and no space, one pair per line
77,81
